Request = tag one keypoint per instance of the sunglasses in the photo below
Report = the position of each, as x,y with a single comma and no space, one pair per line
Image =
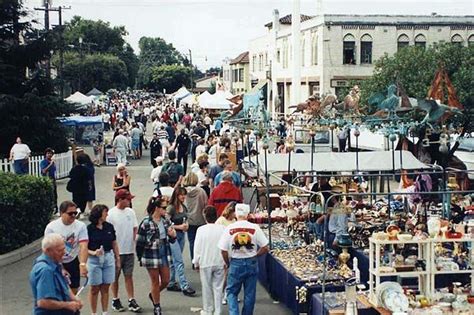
72,214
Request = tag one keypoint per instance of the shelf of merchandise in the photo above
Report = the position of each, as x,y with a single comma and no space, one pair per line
424,276
434,272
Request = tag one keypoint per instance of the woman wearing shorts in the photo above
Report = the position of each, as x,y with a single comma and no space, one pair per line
153,250
103,257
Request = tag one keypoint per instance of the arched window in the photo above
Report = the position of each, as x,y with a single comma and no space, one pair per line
403,41
470,41
348,50
457,39
420,40
314,50
303,55
366,49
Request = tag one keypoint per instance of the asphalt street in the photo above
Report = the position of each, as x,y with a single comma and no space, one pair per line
15,292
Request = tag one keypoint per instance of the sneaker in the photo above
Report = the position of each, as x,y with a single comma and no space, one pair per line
117,305
174,288
224,301
189,291
133,306
157,310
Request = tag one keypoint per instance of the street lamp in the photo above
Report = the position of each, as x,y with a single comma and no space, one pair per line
312,133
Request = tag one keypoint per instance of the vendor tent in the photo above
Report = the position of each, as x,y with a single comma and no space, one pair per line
190,100
94,92
80,98
218,100
81,120
84,129
180,94
341,161
203,97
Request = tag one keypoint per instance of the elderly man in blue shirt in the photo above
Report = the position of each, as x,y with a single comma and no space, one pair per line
50,289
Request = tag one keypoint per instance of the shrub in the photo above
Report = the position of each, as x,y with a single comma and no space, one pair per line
25,209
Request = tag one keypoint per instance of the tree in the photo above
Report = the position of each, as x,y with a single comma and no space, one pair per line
100,37
213,71
169,77
155,52
26,94
103,71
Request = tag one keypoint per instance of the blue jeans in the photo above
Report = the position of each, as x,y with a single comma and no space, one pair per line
21,167
192,231
242,272
177,267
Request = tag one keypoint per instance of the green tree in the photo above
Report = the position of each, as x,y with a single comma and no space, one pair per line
103,71
155,52
169,77
26,94
100,37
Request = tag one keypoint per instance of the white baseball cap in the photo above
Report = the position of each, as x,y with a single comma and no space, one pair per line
241,209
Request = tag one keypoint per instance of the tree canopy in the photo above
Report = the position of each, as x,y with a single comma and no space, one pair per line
169,77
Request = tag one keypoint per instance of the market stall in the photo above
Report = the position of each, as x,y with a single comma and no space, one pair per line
84,129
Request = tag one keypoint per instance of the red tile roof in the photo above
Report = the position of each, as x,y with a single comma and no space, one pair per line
242,58
287,20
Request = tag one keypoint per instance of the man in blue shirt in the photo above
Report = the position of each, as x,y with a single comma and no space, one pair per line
227,165
48,168
50,289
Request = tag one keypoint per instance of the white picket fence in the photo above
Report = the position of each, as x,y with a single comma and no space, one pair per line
63,162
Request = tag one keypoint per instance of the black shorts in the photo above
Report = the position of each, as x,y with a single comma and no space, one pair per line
73,269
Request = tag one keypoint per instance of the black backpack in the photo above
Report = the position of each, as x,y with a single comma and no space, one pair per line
173,172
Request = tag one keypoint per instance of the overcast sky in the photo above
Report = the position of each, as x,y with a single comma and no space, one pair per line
216,29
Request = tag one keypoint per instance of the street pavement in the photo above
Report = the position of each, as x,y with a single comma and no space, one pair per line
15,292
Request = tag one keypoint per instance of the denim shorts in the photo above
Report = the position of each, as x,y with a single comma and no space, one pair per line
101,269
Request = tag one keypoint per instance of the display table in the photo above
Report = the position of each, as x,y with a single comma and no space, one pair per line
317,307
281,285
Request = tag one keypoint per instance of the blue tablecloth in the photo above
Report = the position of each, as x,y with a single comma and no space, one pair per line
281,284
317,307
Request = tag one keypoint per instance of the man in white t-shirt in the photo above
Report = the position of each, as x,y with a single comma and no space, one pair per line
121,146
20,154
74,233
125,223
208,260
240,245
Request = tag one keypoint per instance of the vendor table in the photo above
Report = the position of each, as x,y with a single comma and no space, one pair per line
317,307
281,284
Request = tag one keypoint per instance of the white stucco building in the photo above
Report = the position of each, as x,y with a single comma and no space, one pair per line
338,48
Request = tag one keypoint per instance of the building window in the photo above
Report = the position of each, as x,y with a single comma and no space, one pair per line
457,40
314,50
366,49
420,41
470,41
241,75
402,42
348,51
278,56
303,48
254,61
266,58
260,62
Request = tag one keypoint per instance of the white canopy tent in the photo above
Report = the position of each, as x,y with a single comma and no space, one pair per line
203,97
80,98
341,161
218,100
181,93
190,100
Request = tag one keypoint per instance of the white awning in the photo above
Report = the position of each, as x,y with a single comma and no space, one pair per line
341,161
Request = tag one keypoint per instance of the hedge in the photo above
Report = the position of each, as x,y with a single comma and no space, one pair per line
25,209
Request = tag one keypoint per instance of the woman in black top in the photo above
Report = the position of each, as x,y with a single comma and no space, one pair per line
104,256
79,182
121,180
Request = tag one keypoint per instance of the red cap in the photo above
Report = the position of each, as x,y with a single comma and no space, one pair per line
123,194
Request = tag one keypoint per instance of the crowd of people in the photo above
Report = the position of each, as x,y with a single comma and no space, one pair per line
199,200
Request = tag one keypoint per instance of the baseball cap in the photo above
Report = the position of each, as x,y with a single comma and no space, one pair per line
241,209
123,194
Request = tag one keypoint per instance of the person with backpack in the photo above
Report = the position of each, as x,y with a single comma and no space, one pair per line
174,169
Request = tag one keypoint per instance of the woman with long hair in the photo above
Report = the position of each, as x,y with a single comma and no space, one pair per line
228,215
178,214
121,180
91,182
155,233
104,257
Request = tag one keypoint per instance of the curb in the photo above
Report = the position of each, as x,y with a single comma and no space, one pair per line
20,253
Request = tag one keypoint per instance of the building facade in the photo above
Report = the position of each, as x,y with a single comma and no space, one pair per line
239,74
336,49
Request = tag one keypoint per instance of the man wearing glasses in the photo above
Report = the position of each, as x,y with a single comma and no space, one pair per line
74,233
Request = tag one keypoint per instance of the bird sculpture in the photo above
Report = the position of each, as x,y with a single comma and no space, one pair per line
387,105
434,110
351,101
238,100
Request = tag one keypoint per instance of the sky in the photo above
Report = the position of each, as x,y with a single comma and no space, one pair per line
216,29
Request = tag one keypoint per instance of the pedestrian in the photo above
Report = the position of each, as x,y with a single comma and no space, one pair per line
135,134
171,131
124,220
74,233
224,193
174,169
51,292
121,180
228,167
203,179
241,243
218,125
207,123
155,149
104,257
155,172
48,169
120,145
90,183
228,215
97,146
200,159
162,135
183,145
78,183
20,155
208,260
216,169
153,248
201,148
165,190
196,201
178,214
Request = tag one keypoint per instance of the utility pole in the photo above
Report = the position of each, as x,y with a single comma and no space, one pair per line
192,68
61,49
